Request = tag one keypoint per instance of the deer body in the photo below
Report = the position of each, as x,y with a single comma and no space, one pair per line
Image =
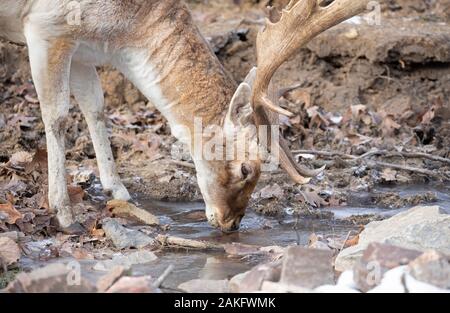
156,45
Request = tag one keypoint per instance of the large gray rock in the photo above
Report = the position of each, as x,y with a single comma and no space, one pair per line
421,228
307,268
124,238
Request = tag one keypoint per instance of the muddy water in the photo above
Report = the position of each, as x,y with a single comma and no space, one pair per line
186,221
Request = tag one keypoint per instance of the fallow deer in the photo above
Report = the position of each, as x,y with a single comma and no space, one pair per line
156,45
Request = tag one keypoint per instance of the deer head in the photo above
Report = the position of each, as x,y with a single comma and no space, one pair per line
227,186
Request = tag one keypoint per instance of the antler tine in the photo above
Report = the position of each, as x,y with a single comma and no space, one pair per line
301,21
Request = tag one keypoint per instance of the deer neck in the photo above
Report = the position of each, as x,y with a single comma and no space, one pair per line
179,73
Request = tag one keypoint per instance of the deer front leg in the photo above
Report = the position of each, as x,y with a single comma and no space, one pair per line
87,90
50,66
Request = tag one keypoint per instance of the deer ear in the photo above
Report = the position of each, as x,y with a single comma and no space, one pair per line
240,111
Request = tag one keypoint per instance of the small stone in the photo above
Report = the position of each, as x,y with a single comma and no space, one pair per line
110,278
126,261
307,268
377,260
205,286
124,238
252,280
432,268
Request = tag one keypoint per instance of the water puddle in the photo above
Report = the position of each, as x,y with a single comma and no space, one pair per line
187,221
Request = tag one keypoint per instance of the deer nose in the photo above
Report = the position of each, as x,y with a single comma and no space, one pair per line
232,225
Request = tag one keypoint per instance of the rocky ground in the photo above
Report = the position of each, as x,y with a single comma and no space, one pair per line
373,105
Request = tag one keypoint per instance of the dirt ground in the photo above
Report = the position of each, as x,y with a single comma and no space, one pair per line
374,106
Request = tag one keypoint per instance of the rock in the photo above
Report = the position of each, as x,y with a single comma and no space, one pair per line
13,235
126,261
377,260
53,278
205,286
9,251
421,228
432,268
253,280
125,209
124,238
414,286
106,281
239,249
307,268
398,280
271,287
133,285
392,282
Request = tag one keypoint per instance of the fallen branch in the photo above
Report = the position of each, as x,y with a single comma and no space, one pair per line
422,171
176,242
411,155
163,276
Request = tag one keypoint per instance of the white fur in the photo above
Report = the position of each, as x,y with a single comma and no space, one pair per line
54,107
87,90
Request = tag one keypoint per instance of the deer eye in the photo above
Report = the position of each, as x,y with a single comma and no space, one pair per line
246,170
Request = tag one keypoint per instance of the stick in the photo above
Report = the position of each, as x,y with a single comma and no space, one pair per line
184,164
374,153
376,164
164,276
176,242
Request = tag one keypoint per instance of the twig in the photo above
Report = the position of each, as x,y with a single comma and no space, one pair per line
345,241
184,164
163,276
376,164
176,242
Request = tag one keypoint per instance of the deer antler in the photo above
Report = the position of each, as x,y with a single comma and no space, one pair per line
300,21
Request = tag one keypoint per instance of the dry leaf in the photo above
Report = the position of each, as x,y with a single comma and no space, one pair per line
76,194
20,158
389,175
123,209
313,199
11,213
9,251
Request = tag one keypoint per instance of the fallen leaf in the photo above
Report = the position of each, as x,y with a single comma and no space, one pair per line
389,175
20,158
11,213
272,191
313,199
76,194
9,251
123,209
